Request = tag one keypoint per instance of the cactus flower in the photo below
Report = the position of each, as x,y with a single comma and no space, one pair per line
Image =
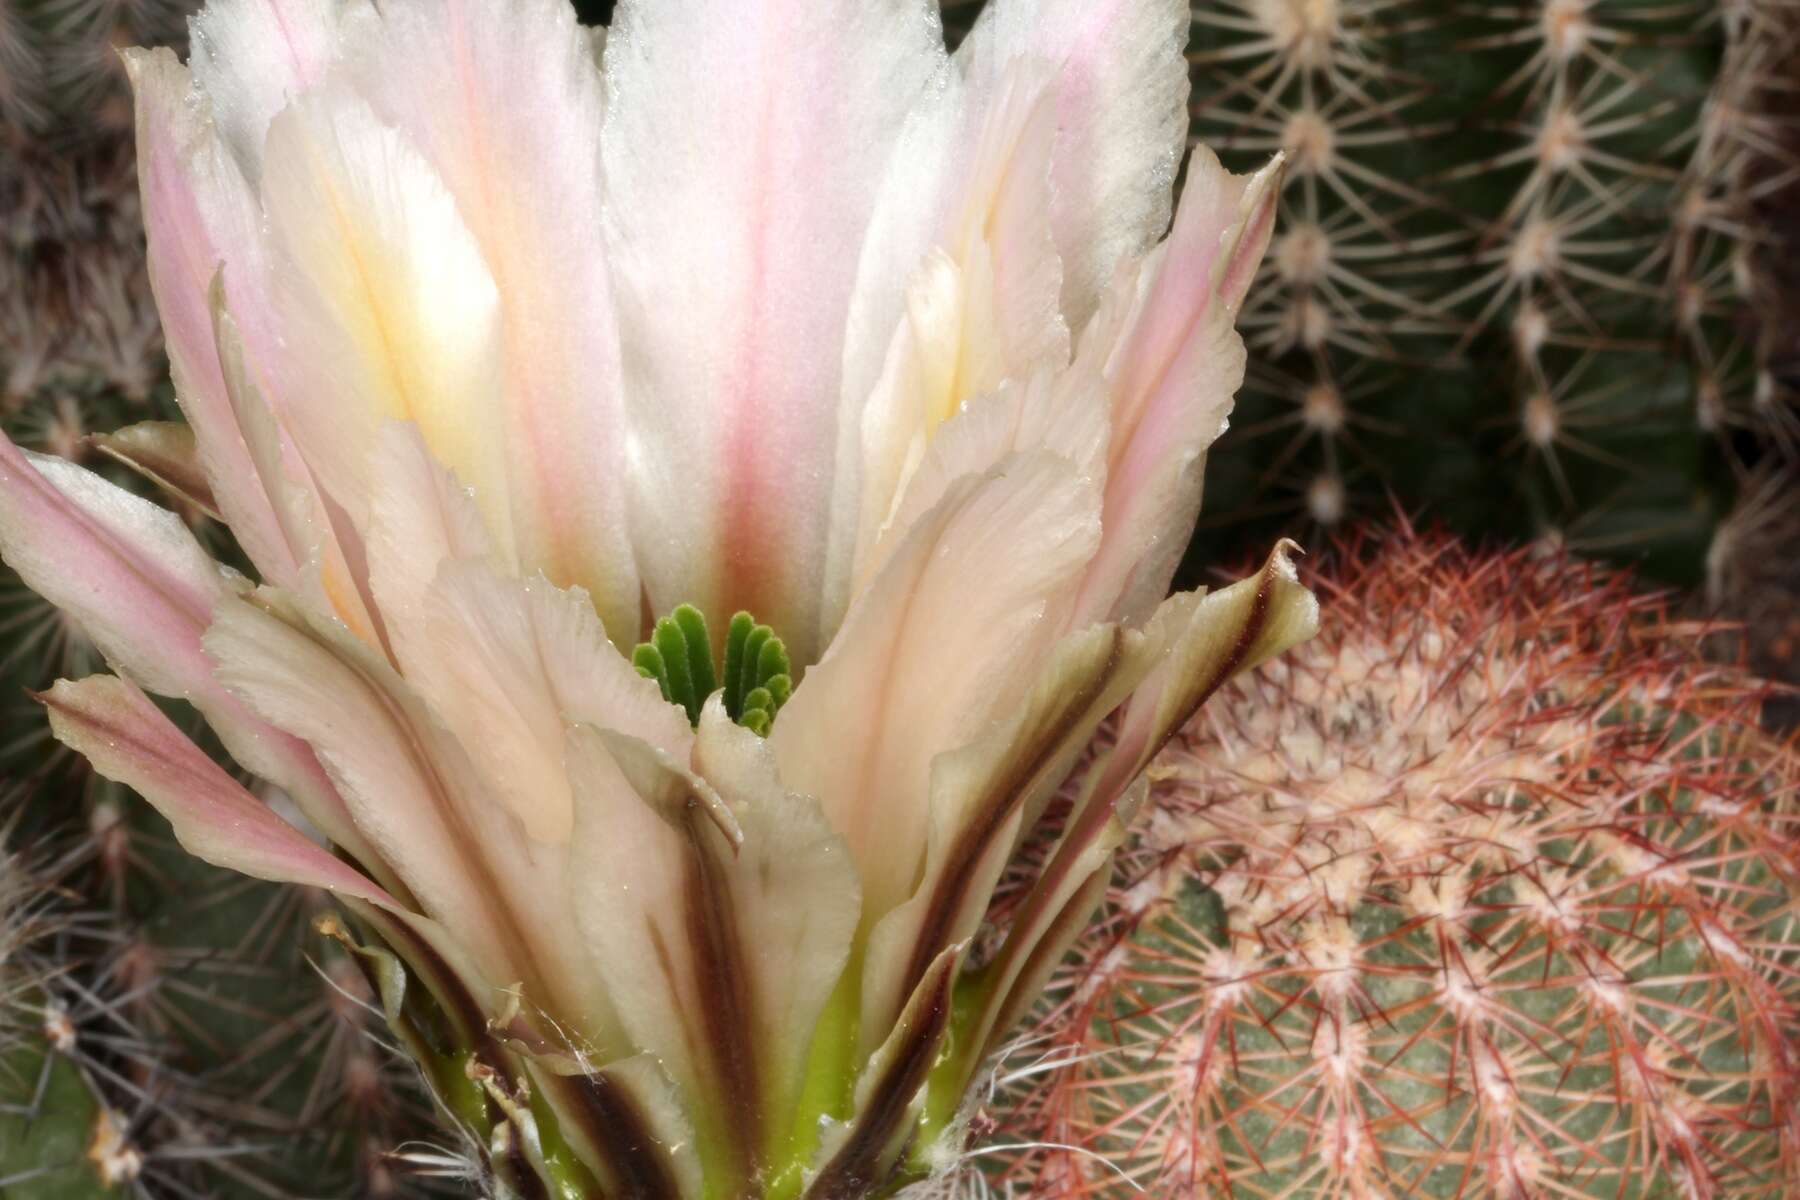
704,496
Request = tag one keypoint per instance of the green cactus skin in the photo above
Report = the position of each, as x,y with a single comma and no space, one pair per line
53,1117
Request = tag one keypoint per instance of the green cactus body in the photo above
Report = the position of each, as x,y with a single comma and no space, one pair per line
1514,270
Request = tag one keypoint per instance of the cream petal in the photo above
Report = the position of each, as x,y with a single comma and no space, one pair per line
857,1155
744,141
942,641
388,309
252,56
420,517
415,796
509,664
504,100
626,1120
647,847
1208,639
725,931
795,897
1063,412
128,739
984,796
1121,122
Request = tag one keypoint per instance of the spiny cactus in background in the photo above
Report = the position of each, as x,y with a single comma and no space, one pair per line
1518,266
1491,890
59,1140
77,328
239,1049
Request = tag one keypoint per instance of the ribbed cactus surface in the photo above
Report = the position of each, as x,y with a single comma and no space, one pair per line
1491,890
1518,279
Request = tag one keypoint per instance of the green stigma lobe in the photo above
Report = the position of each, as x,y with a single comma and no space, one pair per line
756,675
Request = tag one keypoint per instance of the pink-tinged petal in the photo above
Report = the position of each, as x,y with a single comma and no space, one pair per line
1121,122
744,141
416,797
129,573
252,56
509,664
1173,363
199,212
128,739
941,642
388,309
723,932
504,100
315,537
139,585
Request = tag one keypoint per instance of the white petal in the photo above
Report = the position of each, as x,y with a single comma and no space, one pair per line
415,796
253,56
504,100
980,280
1121,121
744,142
509,664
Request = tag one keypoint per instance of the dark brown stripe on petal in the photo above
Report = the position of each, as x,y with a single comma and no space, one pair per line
1002,797
521,1176
604,1115
1045,955
858,1166
1251,633
725,1005
439,977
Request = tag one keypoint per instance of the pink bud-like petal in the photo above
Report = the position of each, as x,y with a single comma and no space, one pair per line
132,576
197,209
128,740
1173,362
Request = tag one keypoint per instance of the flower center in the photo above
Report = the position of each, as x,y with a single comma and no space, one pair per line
755,676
